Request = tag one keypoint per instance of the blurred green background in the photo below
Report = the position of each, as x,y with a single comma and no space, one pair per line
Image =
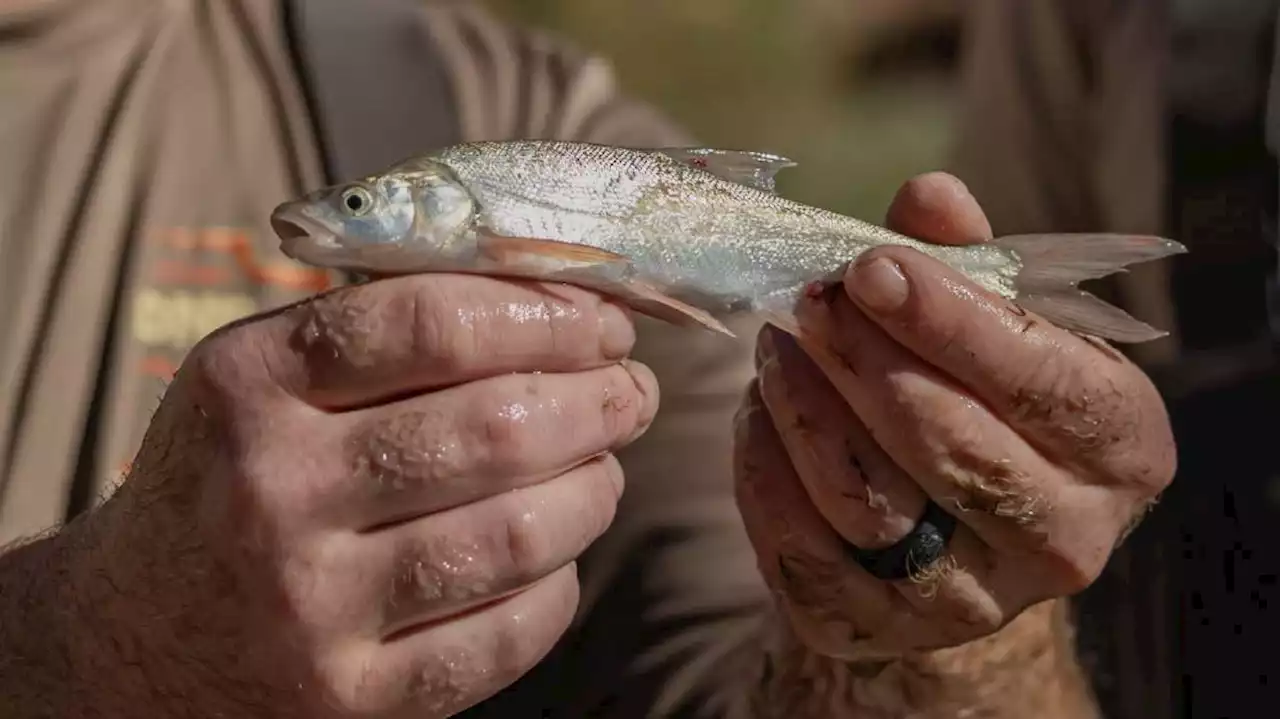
859,92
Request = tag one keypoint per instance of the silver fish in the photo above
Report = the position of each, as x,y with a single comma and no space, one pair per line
686,235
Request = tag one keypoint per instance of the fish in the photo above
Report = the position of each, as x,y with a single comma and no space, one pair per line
688,235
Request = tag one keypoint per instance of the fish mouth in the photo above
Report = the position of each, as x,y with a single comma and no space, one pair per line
298,233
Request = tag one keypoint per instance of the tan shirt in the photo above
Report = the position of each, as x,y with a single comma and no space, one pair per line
143,145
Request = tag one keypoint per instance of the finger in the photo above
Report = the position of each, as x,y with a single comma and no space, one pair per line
1064,393
464,443
371,342
800,556
965,458
867,498
836,607
937,207
442,669
968,460
451,562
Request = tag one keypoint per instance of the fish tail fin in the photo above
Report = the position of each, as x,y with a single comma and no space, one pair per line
1053,264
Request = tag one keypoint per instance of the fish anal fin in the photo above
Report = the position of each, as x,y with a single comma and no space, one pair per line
648,300
753,169
591,268
529,254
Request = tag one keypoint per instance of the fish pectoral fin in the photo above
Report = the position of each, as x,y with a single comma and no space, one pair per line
753,169
529,254
647,299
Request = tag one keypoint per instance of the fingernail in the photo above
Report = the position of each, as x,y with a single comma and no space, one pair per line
880,285
647,386
776,350
617,331
787,350
765,349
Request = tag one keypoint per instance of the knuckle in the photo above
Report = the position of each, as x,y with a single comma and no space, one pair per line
435,571
446,325
564,322
1083,407
515,648
352,685
337,332
622,410
446,680
991,485
952,631
523,540
965,624
274,483
500,423
1038,384
409,454
1150,462
220,364
985,618
1071,572
944,332
573,320
520,641
315,576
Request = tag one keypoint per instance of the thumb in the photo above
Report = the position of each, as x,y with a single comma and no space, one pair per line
937,207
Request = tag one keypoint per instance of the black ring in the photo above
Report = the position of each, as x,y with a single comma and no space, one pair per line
926,544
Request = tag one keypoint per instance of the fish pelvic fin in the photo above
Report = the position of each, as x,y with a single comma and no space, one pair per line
649,300
753,169
1053,264
525,254
591,268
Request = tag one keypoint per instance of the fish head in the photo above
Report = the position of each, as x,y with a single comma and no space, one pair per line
423,212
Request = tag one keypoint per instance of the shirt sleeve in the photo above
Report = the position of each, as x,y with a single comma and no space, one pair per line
670,595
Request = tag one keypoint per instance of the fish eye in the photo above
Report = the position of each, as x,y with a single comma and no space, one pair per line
356,201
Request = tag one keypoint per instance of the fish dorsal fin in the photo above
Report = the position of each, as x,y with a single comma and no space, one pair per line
753,169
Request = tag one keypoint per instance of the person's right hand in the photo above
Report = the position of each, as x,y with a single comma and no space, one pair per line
365,505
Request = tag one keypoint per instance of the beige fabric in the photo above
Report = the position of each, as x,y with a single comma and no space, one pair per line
132,169
142,147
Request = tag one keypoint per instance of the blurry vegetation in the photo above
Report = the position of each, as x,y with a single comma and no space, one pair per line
857,91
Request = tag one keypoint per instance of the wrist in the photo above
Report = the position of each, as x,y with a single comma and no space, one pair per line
1028,668
71,641
40,610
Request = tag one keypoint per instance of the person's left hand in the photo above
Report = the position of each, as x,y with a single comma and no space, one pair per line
1045,446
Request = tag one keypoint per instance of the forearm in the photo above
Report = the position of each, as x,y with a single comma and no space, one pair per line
67,648
1027,669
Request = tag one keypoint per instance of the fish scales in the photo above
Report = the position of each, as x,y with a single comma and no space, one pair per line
695,229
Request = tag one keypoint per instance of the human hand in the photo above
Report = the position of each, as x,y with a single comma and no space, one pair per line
365,505
1041,447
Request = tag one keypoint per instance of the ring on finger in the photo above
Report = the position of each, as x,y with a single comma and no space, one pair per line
923,547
